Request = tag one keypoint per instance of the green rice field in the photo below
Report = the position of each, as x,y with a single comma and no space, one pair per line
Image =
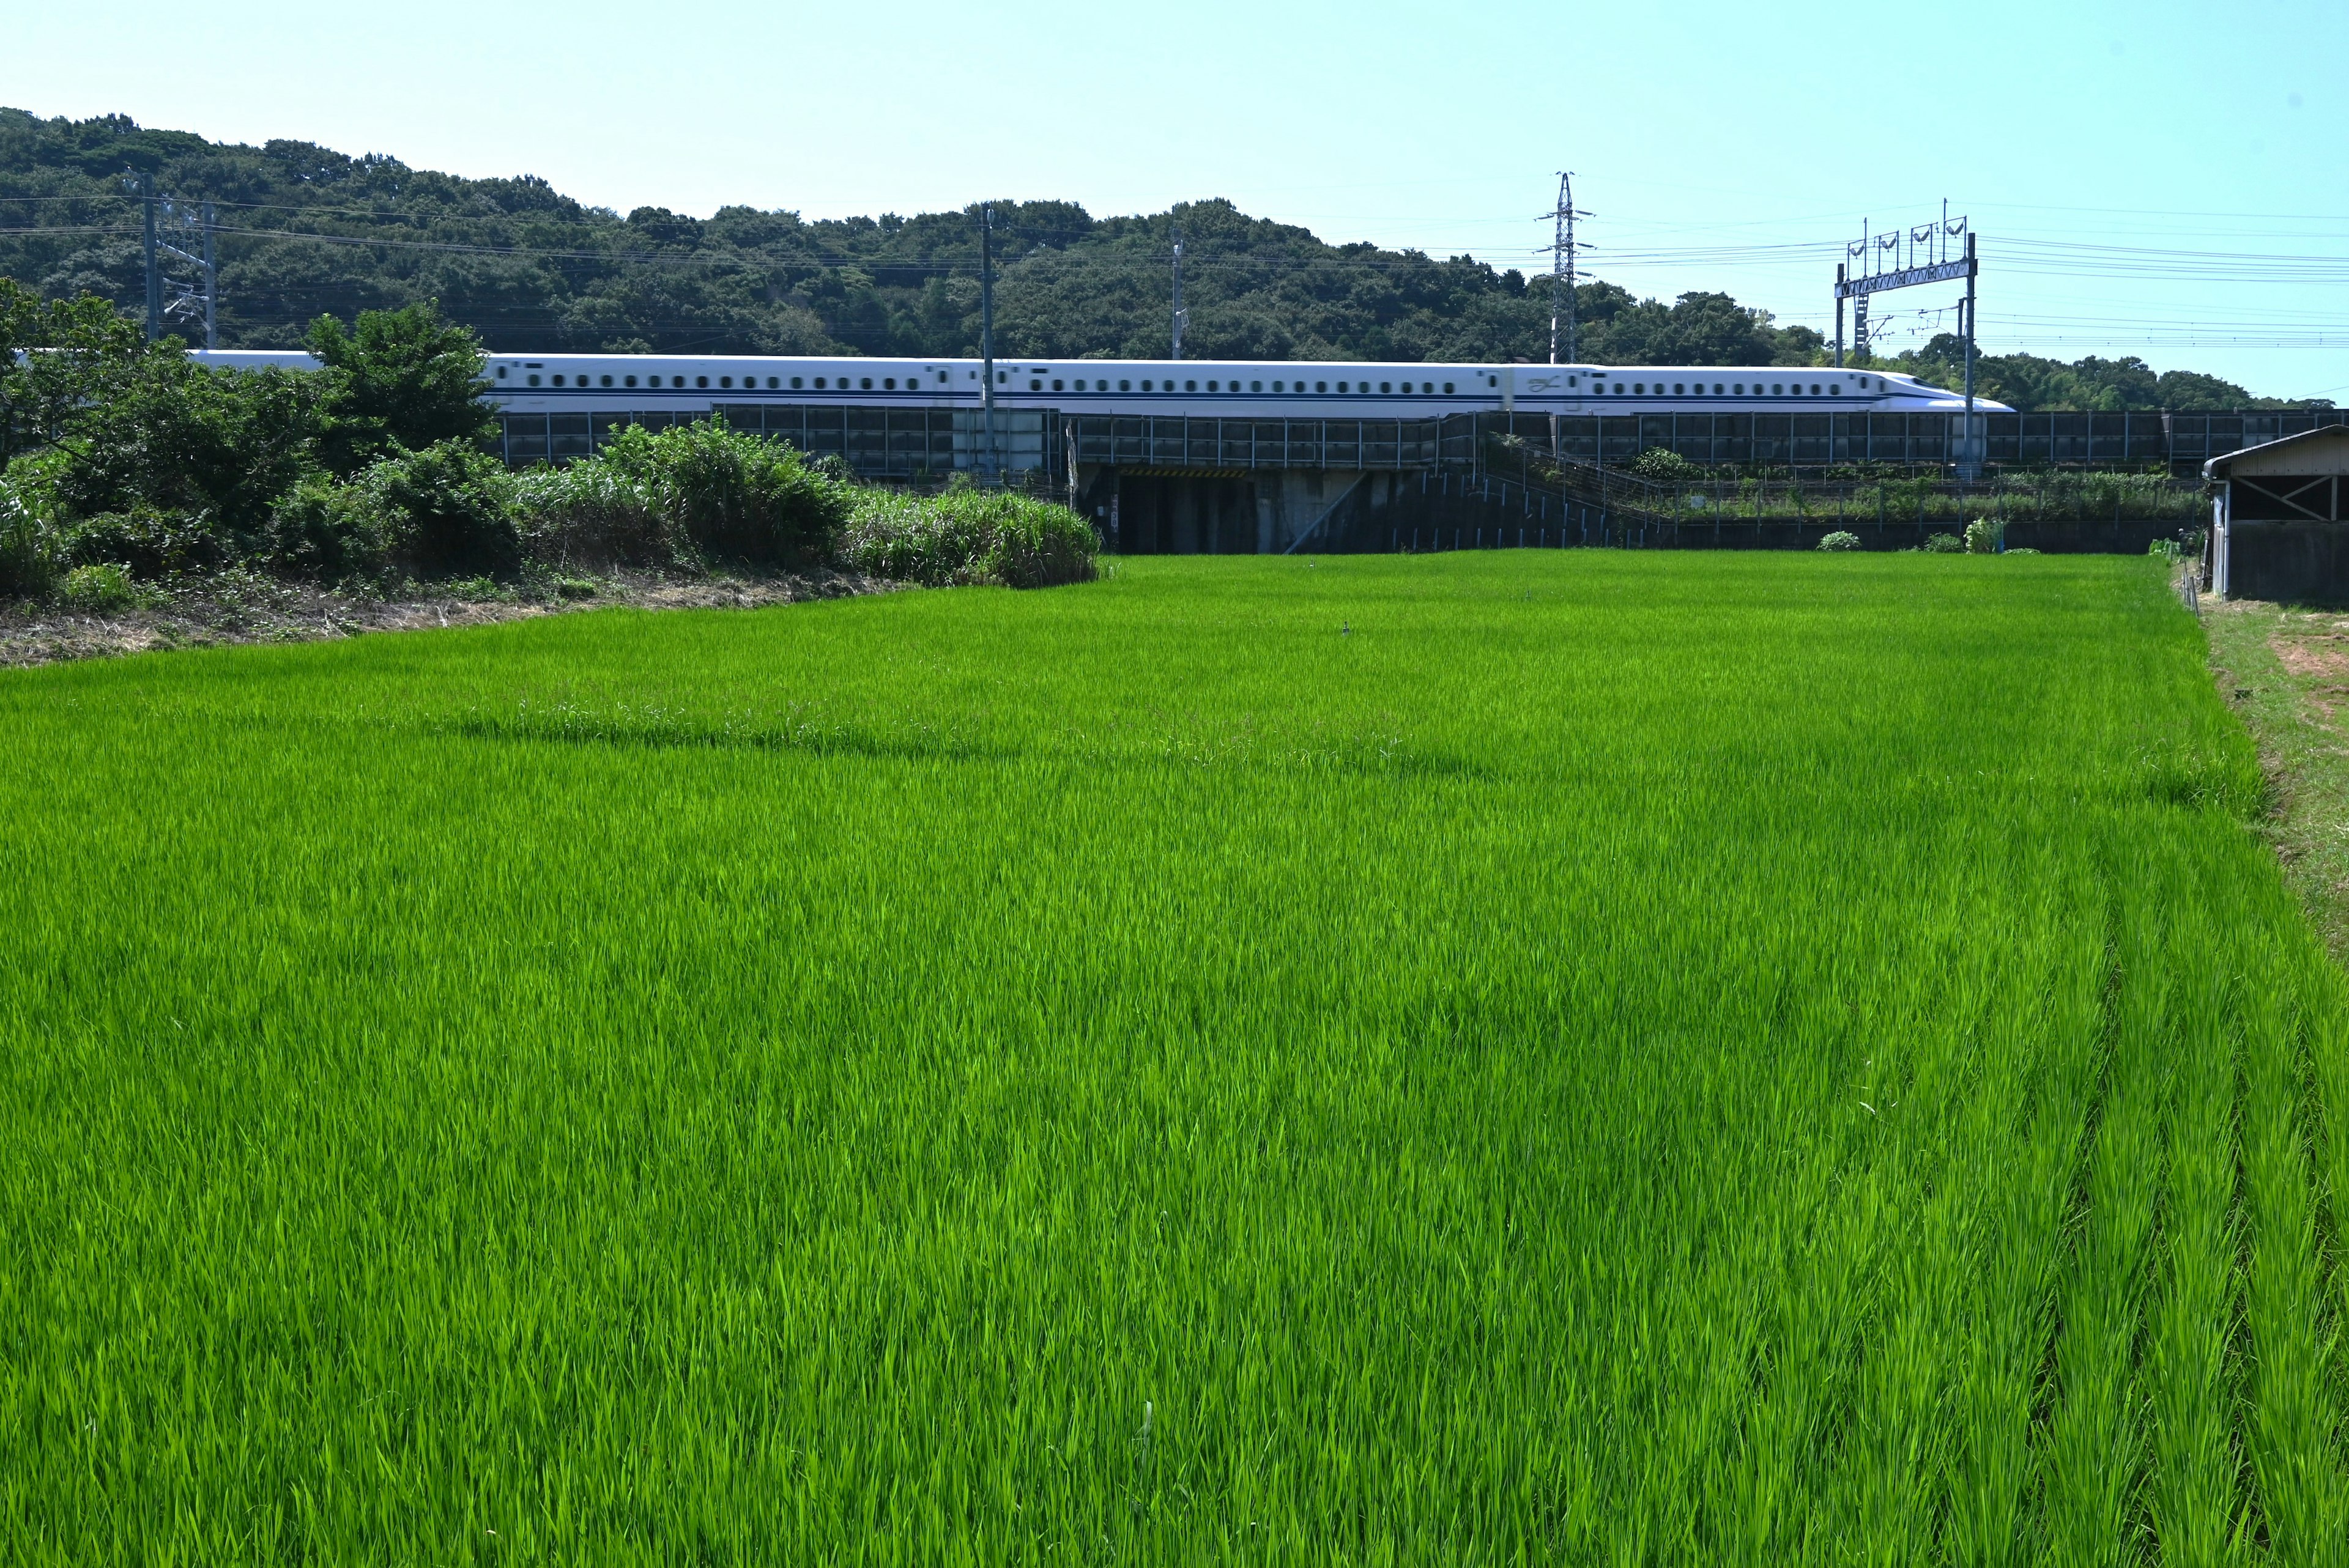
1510,1058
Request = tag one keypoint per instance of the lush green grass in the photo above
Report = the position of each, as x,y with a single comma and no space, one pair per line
1625,1057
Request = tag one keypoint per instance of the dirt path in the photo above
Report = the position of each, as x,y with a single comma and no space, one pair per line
241,609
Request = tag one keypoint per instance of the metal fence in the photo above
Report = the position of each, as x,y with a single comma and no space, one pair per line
894,443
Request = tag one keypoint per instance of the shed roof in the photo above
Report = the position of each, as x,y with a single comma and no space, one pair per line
2323,450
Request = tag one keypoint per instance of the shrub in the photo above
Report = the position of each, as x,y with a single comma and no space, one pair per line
1943,544
1840,539
1985,536
596,514
323,530
1663,466
445,511
100,587
148,542
964,535
2164,550
2024,550
734,497
27,561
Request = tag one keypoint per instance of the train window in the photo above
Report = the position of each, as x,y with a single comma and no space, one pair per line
1190,386
533,380
1386,387
701,381
1145,384
1777,390
1835,390
1739,389
606,380
1212,385
1126,385
1002,378
865,383
1447,388
819,382
1324,387
795,383
1641,387
726,381
1056,387
629,380
1678,389
502,372
1716,388
1256,386
1815,388
1342,385
1276,386
889,383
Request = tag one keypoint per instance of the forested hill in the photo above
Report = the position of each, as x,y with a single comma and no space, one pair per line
310,232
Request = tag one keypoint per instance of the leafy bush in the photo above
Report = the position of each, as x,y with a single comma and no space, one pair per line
1663,466
151,543
170,437
1943,544
27,563
1984,536
2164,550
102,586
965,534
734,497
1840,539
322,531
445,511
598,514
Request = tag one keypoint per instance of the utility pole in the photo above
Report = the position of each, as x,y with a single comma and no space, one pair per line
1561,271
1182,317
143,184
987,463
1561,290
1969,463
212,285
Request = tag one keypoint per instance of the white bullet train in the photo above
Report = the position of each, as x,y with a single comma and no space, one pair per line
693,383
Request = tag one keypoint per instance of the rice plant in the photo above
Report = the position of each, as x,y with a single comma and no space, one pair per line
1470,1059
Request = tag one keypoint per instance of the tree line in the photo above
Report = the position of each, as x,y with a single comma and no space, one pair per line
308,232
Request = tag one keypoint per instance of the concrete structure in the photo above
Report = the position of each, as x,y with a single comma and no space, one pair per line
2280,520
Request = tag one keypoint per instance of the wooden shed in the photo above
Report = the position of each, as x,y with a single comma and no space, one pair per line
2280,526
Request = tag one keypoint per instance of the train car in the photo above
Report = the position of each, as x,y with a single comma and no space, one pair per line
694,384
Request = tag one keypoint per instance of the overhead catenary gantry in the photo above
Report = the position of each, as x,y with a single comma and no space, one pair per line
1908,259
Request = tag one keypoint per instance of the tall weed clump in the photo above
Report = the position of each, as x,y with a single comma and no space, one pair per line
731,496
28,562
445,511
596,515
968,535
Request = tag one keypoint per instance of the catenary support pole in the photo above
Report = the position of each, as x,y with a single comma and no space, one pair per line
154,270
987,462
212,285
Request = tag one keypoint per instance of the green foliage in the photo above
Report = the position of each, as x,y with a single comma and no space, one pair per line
56,358
1985,536
965,534
1943,544
1663,466
1840,540
325,531
444,511
151,543
98,586
733,498
400,380
600,514
169,437
2090,385
28,553
1141,1076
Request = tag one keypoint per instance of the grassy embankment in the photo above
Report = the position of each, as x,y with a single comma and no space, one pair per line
1760,1059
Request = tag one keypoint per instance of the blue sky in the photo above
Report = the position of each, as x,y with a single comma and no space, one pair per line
1732,145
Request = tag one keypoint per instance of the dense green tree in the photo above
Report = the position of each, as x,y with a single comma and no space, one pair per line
528,269
56,358
170,437
398,380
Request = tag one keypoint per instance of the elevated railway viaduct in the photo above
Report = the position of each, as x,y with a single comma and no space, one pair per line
1163,483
